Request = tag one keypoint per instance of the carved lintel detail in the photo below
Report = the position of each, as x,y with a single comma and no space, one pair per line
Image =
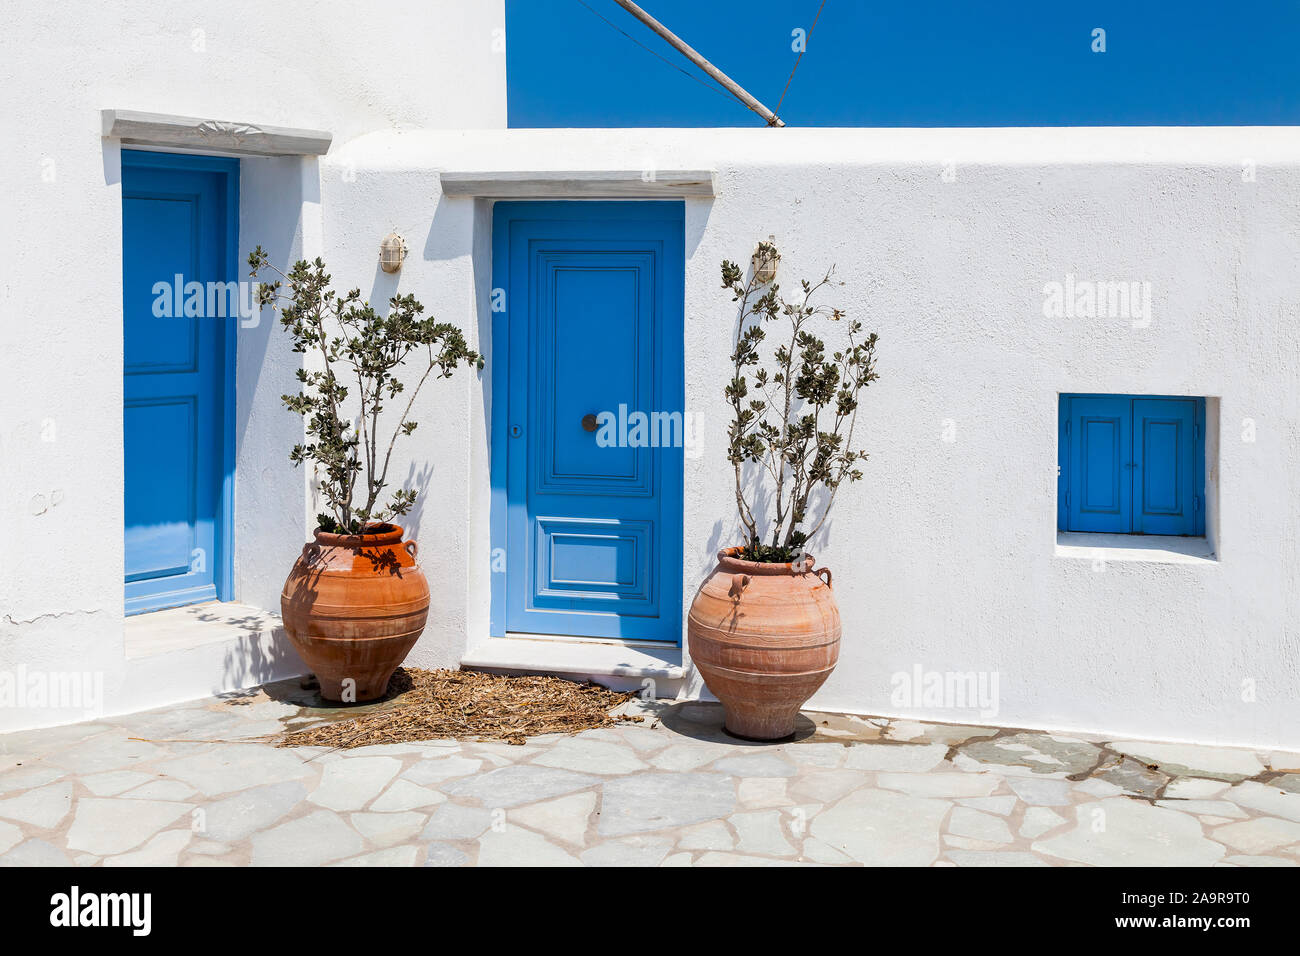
231,133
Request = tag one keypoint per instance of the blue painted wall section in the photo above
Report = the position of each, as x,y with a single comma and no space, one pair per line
179,219
1132,464
588,514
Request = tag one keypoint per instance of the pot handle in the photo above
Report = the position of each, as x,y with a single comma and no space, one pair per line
738,583
412,548
824,574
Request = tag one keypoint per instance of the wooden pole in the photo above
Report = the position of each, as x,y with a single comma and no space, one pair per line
734,88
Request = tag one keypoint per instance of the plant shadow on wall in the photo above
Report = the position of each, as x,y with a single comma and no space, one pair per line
764,629
356,600
258,654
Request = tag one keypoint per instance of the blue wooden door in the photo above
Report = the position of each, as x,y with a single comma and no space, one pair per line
587,504
1165,497
1132,464
178,223
1099,433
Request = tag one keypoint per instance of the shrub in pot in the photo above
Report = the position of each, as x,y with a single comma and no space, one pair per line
764,629
356,601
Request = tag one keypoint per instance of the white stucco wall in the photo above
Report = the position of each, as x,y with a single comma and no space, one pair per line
334,66
945,554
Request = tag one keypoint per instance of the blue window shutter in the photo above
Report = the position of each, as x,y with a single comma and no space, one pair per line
1167,493
1131,464
1099,485
1063,464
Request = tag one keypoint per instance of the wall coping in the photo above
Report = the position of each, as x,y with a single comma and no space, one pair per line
135,128
602,183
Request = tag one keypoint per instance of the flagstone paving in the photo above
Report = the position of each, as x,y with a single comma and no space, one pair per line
201,784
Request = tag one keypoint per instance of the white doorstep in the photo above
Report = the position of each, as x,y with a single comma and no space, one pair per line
182,628
202,650
576,658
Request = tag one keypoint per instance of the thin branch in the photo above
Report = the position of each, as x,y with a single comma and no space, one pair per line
783,430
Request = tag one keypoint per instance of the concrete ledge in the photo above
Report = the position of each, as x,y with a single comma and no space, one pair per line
183,628
160,129
589,184
569,657
204,649
1155,548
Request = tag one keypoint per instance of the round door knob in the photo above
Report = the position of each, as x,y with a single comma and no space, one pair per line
589,423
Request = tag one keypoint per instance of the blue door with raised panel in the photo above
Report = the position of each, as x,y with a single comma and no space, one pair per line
1132,464
178,249
1168,449
588,426
1099,487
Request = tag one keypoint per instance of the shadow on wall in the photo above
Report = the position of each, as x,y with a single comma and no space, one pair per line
418,480
260,655
279,196
707,555
112,160
273,192
382,288
696,222
460,227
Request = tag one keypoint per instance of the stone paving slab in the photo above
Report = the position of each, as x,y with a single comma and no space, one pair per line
201,784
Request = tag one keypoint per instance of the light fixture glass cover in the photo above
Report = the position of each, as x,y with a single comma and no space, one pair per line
391,252
764,261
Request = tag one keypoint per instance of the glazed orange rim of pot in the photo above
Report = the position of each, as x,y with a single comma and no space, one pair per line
391,534
727,557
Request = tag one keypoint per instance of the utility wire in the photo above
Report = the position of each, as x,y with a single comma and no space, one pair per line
708,86
806,41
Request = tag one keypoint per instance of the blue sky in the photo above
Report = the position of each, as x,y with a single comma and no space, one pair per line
911,63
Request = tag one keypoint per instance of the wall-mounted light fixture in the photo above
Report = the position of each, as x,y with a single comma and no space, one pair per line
391,252
764,261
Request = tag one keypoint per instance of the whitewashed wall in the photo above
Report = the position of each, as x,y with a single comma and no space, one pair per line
945,554
334,65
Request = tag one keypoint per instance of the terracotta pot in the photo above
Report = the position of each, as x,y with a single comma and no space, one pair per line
354,606
765,637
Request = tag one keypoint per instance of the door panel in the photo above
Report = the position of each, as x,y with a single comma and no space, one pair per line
1164,452
159,242
177,228
1101,499
161,502
595,351
588,513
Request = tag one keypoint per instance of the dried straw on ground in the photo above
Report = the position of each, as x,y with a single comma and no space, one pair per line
437,704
